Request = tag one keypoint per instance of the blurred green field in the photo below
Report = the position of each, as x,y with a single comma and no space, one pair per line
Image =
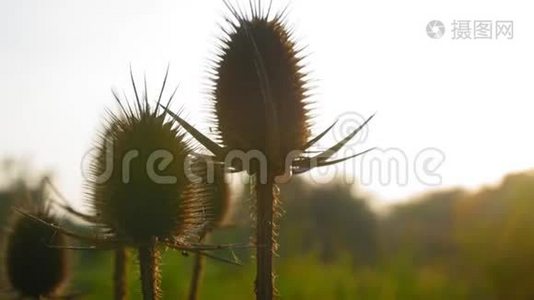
451,244
299,278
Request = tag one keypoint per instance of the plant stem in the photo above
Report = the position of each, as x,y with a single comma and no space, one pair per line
149,259
120,275
264,238
196,277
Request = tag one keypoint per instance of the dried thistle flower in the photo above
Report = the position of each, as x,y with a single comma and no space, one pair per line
139,191
136,206
36,263
140,206
260,90
260,103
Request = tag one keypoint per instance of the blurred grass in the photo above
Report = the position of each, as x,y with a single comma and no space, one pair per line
302,278
446,245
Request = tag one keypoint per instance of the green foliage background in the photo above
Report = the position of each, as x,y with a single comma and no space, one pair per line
450,244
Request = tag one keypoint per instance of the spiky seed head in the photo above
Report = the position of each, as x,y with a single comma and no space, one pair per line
211,177
35,262
146,195
258,62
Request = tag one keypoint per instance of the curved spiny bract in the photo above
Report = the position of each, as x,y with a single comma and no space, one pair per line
259,90
36,265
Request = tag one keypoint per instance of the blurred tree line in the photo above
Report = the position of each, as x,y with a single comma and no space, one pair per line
445,244
18,182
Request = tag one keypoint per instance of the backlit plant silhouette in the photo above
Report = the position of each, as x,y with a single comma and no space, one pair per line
136,208
120,267
36,262
212,175
260,104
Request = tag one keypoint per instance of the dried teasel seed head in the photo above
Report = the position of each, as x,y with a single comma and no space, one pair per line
216,191
36,264
259,66
147,194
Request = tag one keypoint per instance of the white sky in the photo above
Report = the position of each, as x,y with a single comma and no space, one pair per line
470,99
